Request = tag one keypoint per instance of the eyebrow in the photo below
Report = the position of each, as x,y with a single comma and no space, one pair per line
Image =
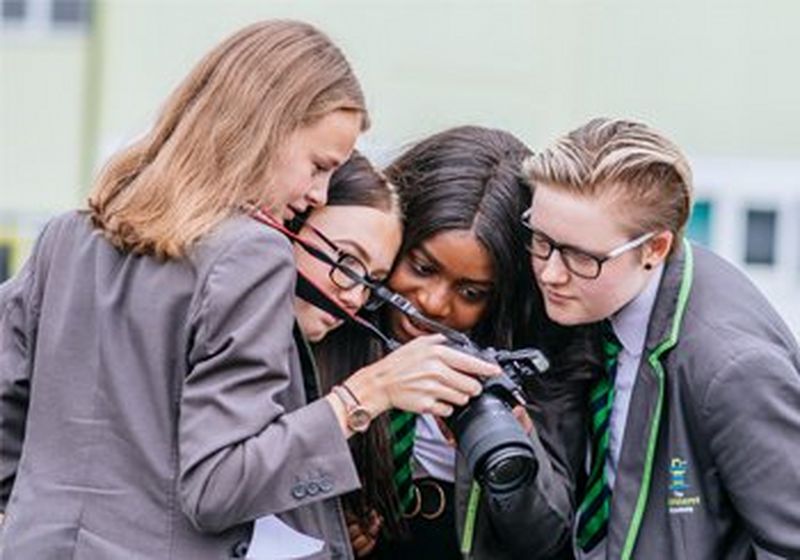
355,247
427,254
569,246
361,254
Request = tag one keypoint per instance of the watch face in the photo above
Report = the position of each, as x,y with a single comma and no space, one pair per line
358,419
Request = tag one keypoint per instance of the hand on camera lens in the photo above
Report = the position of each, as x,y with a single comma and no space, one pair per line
523,418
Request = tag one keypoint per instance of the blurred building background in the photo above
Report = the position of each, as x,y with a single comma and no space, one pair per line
79,79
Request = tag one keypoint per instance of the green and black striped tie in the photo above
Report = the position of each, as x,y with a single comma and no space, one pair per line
403,429
595,507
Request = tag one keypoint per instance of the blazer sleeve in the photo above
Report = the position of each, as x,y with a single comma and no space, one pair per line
539,516
752,413
243,454
16,341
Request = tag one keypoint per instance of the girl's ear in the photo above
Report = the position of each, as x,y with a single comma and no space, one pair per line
657,248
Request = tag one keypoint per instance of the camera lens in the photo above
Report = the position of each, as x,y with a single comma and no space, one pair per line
493,443
508,469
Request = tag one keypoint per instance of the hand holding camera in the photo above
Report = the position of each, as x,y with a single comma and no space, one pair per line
423,376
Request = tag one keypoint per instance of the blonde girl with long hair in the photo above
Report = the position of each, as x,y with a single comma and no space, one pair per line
151,387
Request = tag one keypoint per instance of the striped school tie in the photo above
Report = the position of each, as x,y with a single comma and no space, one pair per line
403,427
595,507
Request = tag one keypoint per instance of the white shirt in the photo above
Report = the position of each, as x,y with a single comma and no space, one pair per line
433,455
630,325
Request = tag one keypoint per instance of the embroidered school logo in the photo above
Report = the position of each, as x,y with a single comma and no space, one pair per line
677,477
678,500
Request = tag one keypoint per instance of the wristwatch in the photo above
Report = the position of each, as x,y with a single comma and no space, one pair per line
358,417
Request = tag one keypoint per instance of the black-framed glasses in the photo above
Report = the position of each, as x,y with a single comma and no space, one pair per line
348,271
579,262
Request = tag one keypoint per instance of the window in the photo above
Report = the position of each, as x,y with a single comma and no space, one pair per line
699,227
6,255
760,243
13,10
45,14
69,11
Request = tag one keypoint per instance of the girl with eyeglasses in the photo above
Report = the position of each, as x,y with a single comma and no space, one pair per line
695,422
360,228
462,263
151,388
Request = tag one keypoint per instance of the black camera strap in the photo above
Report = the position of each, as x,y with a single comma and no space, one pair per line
308,291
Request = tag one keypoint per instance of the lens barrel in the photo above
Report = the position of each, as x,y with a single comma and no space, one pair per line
498,451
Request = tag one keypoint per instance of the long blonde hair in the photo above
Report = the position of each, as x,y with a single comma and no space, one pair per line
214,143
647,172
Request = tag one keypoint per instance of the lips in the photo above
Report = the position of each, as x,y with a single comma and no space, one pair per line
556,297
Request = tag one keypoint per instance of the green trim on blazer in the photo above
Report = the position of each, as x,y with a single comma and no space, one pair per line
655,361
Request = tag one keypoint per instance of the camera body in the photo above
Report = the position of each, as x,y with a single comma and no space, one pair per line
498,452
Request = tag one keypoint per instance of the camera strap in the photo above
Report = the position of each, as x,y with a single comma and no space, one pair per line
307,290
314,295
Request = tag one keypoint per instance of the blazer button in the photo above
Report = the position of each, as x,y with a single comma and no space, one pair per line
326,485
240,549
299,491
313,488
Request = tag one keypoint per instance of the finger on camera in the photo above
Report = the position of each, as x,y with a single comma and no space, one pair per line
441,409
461,361
461,382
451,395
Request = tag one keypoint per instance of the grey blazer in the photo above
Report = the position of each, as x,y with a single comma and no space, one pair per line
154,409
710,462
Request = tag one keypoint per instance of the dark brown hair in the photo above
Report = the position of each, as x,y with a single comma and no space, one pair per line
463,178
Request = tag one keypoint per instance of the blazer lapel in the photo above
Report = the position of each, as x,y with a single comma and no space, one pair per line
635,466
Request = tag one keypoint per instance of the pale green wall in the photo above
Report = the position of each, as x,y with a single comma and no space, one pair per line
41,111
717,75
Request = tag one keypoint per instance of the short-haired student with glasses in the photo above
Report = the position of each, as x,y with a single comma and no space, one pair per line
695,423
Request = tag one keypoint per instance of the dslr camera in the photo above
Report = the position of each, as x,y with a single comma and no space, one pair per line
497,450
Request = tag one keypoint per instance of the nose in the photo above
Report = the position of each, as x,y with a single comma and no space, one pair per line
435,301
553,270
353,298
318,193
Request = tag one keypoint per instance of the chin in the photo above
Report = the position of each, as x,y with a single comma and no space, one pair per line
320,331
566,317
312,331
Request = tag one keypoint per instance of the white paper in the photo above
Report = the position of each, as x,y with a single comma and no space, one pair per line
275,540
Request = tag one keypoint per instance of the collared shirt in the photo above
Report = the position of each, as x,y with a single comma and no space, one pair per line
433,455
630,327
